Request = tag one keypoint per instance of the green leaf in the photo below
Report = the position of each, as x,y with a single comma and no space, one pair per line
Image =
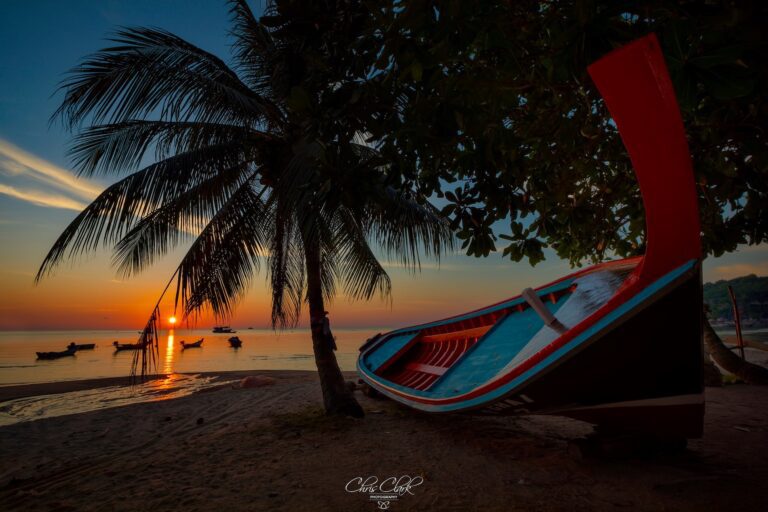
416,70
726,86
298,101
719,57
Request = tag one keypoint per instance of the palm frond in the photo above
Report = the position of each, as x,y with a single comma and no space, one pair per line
122,204
404,227
329,271
363,275
151,70
253,45
146,359
113,148
286,267
184,216
220,264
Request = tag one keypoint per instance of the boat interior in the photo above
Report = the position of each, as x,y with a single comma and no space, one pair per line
455,355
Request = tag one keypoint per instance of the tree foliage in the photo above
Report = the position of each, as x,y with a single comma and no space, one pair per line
493,111
253,162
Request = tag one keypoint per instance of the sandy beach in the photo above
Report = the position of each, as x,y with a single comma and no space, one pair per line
270,447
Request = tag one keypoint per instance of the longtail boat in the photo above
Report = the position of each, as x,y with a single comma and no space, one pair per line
81,346
119,347
618,344
235,342
196,344
55,355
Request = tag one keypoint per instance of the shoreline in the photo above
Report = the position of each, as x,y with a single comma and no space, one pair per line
15,391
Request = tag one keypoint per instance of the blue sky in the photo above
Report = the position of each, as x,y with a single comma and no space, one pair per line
39,195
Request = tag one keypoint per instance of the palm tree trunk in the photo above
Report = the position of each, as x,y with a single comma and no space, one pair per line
730,362
337,398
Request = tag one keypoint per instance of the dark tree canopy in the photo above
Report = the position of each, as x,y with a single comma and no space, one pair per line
494,111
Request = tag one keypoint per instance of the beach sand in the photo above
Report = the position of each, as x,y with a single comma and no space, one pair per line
270,448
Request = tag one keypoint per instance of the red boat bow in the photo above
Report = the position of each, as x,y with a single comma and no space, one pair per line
636,87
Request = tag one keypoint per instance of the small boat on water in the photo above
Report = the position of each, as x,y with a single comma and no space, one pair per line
235,342
618,344
81,346
55,355
223,329
196,344
127,346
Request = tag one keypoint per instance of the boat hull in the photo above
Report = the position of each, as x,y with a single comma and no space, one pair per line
196,344
54,355
642,359
83,346
128,346
644,374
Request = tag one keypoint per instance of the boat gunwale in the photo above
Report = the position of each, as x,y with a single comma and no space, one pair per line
634,261
501,305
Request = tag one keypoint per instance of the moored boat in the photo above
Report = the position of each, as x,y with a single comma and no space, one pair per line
618,344
55,355
196,344
81,346
127,346
235,342
223,329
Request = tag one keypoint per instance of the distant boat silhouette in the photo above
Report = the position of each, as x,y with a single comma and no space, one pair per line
196,344
55,355
223,329
82,346
119,347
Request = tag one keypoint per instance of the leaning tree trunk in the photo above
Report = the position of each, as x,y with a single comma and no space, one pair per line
337,398
730,362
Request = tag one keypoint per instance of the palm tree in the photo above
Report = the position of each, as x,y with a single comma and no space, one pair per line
263,163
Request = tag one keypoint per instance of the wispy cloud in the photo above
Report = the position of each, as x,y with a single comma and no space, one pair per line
17,162
40,198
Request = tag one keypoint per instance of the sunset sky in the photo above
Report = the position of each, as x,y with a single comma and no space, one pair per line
39,195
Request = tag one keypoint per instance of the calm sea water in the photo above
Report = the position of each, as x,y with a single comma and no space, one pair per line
261,350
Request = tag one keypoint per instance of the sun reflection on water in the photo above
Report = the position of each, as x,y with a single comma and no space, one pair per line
168,362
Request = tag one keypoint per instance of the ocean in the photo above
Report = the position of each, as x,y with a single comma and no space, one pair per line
262,350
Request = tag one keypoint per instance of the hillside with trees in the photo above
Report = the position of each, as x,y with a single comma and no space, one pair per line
751,295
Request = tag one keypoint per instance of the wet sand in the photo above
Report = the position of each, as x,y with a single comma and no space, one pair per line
271,448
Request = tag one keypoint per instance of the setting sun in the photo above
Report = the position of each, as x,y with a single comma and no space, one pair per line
172,320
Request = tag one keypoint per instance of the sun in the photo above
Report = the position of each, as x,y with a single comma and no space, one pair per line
172,320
